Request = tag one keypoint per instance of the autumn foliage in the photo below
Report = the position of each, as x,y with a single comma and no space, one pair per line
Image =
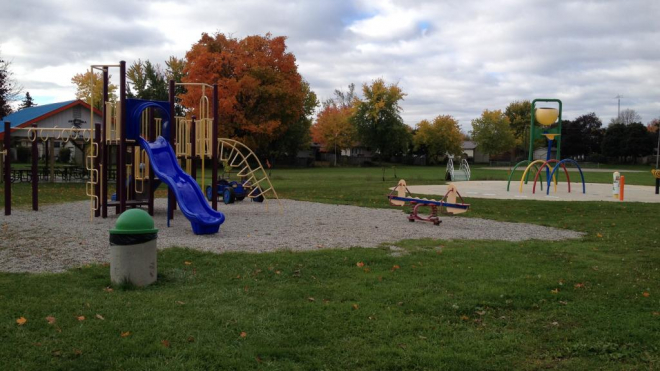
333,128
260,90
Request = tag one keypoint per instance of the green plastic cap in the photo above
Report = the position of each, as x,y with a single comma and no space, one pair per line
134,221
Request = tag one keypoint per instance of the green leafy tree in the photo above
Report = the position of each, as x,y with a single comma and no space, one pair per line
27,102
439,137
614,140
378,121
148,81
581,137
10,90
639,141
492,132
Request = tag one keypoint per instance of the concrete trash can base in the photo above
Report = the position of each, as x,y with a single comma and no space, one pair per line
133,249
135,264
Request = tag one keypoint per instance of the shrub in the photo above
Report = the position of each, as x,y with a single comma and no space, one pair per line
65,155
23,154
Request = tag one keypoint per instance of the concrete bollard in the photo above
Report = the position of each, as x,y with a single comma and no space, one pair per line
133,249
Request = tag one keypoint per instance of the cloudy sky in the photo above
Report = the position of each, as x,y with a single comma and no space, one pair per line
450,57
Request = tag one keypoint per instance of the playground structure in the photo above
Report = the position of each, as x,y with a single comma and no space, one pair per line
550,119
149,150
400,195
463,173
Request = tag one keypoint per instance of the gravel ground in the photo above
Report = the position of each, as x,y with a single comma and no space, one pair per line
59,237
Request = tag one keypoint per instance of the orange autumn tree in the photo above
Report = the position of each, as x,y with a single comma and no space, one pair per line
261,94
333,128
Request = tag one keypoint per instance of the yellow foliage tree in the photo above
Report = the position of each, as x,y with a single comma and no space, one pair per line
437,138
90,85
333,128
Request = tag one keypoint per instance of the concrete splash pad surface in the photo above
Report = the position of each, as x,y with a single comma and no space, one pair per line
496,189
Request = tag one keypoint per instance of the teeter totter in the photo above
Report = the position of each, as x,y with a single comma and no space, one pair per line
400,195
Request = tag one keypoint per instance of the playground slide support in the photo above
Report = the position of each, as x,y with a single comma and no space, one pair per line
193,152
152,176
35,171
214,149
121,166
7,168
171,201
97,166
103,149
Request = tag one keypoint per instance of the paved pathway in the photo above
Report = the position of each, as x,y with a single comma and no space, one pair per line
570,168
497,189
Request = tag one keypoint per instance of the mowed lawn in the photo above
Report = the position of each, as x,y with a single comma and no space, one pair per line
591,303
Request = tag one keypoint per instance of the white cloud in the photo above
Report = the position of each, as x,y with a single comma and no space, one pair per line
451,57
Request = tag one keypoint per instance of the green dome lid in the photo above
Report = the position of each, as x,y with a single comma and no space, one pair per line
134,221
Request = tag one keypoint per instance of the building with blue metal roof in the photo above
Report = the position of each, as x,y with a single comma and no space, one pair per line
66,114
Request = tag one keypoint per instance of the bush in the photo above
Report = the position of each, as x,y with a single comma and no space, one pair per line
65,155
23,154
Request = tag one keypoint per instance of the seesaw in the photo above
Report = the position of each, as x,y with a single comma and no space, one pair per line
400,195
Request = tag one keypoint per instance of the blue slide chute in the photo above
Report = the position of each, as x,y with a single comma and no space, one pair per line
203,218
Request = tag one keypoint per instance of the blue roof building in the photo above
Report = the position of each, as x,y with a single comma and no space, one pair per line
62,114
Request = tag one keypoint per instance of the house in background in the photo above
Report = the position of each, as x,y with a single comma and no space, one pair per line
73,113
473,154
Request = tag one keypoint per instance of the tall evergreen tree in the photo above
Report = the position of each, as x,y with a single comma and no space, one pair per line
378,121
27,102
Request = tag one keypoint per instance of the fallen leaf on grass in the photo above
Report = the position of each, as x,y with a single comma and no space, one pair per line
21,321
656,313
51,320
77,352
646,294
278,272
311,299
367,270
402,346
81,318
191,339
108,289
100,317
395,268
187,263
165,343
180,302
360,264
355,307
464,317
599,235
481,313
555,323
125,334
243,334
555,291
563,302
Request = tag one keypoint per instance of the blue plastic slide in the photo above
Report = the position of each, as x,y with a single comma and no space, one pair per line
203,218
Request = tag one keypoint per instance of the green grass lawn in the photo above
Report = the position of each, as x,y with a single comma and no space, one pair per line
592,303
